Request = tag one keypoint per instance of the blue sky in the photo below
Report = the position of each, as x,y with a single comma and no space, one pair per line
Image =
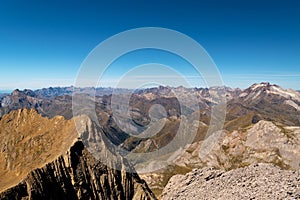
43,43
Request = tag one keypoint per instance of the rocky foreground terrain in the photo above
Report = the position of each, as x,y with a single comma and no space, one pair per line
263,142
258,181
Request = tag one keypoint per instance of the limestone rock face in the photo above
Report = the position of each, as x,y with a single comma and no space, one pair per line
259,181
73,174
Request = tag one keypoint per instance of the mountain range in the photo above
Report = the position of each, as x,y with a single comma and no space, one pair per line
262,125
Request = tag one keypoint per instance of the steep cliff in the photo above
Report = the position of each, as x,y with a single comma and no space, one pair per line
50,162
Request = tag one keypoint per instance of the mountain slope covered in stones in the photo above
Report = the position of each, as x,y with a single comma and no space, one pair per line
259,181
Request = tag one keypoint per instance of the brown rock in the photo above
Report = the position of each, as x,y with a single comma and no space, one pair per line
45,160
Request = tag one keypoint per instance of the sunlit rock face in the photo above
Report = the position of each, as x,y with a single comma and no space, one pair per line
43,158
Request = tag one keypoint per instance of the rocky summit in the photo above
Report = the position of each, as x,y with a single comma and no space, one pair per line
258,181
43,158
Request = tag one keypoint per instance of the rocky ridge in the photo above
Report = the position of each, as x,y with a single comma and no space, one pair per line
48,161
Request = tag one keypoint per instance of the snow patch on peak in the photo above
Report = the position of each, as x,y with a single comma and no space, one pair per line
284,93
255,86
256,95
243,94
293,104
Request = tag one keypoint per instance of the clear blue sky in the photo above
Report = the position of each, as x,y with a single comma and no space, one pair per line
43,43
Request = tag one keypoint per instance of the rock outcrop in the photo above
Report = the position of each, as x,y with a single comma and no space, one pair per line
263,142
78,175
52,163
259,181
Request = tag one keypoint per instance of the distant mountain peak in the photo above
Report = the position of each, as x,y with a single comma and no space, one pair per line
265,90
262,85
16,92
26,92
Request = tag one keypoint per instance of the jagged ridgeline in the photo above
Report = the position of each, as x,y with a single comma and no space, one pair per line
262,125
42,158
